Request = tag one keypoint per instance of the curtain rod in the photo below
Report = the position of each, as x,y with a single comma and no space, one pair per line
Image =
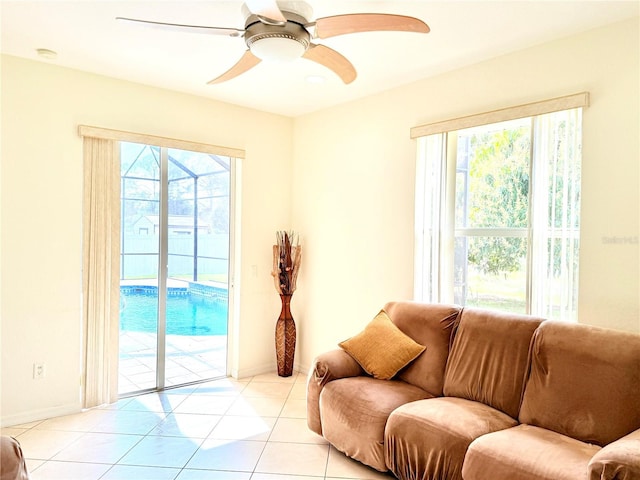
510,113
119,135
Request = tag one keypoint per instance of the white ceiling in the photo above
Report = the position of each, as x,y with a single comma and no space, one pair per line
86,37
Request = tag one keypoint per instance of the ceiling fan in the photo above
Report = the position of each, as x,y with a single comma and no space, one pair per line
283,31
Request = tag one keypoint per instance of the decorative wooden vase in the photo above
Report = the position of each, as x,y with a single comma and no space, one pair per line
285,338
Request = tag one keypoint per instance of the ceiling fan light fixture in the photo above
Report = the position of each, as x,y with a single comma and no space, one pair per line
277,48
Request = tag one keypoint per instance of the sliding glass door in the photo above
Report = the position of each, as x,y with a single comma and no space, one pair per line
174,267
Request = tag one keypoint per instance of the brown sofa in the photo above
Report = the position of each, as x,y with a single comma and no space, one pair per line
12,463
494,396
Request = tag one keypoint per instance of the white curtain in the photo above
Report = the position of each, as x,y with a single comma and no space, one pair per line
428,193
556,214
101,271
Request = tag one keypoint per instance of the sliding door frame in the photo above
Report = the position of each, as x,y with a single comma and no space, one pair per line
235,155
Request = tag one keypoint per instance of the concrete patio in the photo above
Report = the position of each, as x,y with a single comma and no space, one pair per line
188,359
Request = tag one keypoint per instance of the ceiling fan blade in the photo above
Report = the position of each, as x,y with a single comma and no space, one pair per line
231,32
246,62
367,22
332,60
267,11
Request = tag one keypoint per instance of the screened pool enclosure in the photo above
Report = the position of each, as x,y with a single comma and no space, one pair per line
173,266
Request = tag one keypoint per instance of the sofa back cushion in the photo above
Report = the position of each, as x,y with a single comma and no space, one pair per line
430,325
584,382
489,359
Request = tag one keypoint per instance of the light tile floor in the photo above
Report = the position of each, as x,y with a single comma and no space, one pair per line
251,429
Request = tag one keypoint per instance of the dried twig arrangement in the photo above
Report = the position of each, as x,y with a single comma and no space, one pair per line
286,262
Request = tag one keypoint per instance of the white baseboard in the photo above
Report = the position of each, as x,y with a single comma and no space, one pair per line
38,415
43,414
303,369
267,368
250,372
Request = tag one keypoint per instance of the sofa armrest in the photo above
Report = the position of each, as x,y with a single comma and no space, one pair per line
326,367
617,461
12,463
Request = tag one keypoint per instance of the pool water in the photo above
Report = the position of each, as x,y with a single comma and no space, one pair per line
186,314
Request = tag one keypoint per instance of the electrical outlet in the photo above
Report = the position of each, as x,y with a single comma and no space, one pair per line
38,371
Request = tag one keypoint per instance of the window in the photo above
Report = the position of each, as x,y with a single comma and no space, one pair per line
498,214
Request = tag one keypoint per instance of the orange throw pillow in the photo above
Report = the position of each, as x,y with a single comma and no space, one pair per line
382,349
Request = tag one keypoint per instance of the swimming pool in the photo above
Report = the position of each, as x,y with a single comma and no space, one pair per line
187,314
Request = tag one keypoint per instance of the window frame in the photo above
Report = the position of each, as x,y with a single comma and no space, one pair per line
432,249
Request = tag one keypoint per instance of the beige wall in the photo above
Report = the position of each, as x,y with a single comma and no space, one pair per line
343,177
353,181
41,202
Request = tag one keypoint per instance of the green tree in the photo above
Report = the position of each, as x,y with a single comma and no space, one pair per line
498,190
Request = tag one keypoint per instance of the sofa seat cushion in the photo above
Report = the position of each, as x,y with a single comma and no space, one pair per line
526,452
428,439
354,413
